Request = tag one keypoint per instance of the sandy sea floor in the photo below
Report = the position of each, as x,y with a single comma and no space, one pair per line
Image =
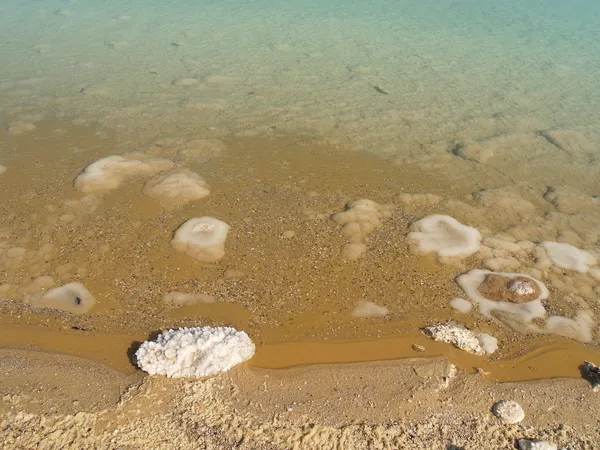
488,112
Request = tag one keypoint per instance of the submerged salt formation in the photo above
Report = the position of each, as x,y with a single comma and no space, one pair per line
108,173
2,168
536,444
445,236
177,299
202,238
72,297
369,309
176,187
194,352
359,219
566,256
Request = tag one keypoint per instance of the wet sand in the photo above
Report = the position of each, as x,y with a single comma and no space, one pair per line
293,295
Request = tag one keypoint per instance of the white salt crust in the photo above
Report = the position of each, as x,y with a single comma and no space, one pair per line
445,236
459,337
194,352
108,173
202,238
177,299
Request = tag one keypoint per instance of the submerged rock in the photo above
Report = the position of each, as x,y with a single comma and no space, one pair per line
592,373
502,288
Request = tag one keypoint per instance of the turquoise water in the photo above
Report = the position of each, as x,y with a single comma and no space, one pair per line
452,69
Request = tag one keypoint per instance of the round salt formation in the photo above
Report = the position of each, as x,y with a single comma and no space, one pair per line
176,187
202,238
194,352
445,236
535,444
72,297
459,337
508,411
359,219
566,256
108,173
369,309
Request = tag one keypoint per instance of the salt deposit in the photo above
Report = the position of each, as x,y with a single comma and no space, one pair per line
534,444
579,328
369,309
2,168
177,299
202,238
176,187
569,200
194,352
508,411
516,315
459,337
461,305
488,342
108,173
569,257
72,297
445,236
359,219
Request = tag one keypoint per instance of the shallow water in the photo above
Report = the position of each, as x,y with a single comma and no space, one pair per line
307,106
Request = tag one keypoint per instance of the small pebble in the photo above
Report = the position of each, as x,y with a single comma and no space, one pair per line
418,348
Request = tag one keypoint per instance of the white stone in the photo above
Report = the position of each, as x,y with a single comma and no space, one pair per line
508,411
194,352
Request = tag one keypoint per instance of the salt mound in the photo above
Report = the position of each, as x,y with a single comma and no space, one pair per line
518,316
569,257
508,411
459,337
369,309
194,352
108,173
2,168
72,297
177,299
445,236
506,202
176,187
488,343
202,238
359,219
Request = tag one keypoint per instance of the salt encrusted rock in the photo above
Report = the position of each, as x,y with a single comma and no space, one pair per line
194,352
592,373
519,289
459,337
535,444
508,411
